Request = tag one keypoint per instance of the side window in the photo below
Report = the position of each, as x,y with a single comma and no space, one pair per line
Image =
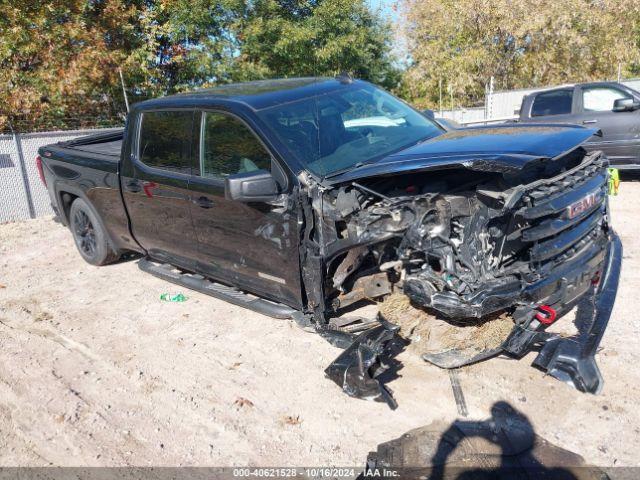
165,140
600,99
227,147
556,102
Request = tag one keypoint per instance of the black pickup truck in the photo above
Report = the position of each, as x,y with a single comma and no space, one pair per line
302,198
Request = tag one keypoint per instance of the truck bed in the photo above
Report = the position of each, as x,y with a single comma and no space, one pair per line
111,149
106,146
87,167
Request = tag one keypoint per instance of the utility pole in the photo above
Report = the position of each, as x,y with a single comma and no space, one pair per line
619,71
440,87
451,95
124,90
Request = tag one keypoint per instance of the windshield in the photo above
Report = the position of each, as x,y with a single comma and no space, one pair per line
343,129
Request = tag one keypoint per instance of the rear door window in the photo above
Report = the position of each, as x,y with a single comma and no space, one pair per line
165,140
227,147
556,102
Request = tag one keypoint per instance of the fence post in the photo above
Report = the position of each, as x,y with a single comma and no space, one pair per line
25,176
488,101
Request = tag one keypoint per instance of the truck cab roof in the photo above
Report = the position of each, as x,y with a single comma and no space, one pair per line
255,95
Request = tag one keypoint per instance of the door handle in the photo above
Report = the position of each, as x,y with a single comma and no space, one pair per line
133,186
585,122
204,202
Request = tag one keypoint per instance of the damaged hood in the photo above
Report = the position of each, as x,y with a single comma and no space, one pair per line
499,148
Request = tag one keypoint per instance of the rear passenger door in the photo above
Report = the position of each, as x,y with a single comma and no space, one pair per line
251,245
620,139
155,185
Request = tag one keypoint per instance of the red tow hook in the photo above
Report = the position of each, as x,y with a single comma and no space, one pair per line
148,188
546,315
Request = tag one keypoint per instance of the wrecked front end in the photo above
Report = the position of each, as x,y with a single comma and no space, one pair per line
465,242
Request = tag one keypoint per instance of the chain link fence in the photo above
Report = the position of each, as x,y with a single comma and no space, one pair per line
22,194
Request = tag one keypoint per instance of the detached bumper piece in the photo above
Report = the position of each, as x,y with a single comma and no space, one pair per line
359,369
572,359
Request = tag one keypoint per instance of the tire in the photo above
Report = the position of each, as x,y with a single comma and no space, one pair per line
90,236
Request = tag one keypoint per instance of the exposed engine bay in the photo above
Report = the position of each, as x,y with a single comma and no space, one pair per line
457,241
464,243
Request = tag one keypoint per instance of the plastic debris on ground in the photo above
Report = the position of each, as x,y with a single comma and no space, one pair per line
171,297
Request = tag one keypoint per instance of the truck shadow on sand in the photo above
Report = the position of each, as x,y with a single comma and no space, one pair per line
504,446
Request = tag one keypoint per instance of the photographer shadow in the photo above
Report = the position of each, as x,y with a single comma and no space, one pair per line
504,446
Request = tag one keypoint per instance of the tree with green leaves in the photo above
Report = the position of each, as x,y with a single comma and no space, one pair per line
285,38
184,43
60,60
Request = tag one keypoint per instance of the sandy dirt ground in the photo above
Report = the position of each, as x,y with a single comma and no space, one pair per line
96,370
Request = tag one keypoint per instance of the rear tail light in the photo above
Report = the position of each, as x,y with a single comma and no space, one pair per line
40,170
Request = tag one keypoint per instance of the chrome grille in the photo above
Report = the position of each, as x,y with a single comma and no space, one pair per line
564,215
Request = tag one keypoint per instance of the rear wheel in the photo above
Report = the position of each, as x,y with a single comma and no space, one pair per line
89,234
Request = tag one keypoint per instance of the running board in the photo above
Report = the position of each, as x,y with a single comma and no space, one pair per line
201,284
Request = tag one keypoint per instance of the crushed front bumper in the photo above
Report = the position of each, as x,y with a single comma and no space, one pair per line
358,370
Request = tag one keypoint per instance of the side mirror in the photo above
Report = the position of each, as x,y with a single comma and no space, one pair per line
429,114
256,186
625,105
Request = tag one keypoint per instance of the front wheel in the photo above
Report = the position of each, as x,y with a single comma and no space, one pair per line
89,234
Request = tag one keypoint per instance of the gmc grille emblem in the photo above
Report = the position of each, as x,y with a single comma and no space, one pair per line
582,205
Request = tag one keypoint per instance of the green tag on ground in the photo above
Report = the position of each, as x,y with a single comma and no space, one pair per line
178,297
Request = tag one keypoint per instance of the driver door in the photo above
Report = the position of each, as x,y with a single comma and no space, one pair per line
620,139
251,245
